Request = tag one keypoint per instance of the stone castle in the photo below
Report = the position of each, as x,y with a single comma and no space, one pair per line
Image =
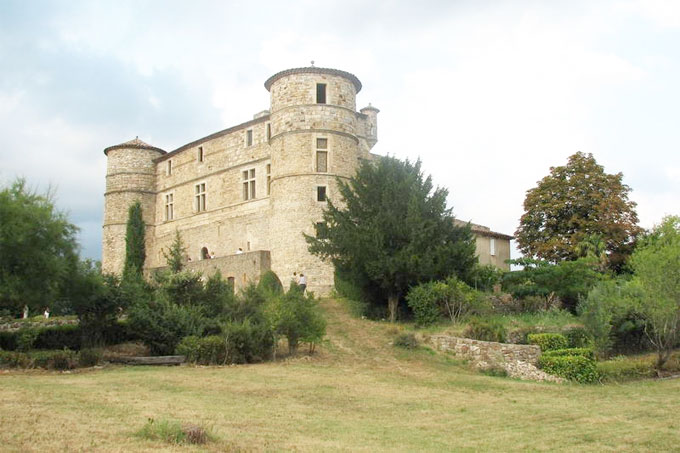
246,194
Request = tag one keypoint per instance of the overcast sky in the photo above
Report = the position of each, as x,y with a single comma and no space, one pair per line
489,95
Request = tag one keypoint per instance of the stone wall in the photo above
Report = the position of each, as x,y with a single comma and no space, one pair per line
486,352
244,268
518,360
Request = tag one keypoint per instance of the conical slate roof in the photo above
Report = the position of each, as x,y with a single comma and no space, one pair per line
135,143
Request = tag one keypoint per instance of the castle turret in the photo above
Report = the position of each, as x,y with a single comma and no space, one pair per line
316,137
129,177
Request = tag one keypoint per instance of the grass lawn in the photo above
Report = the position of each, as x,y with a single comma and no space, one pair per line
357,393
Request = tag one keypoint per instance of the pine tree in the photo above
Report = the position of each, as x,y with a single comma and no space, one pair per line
392,231
175,255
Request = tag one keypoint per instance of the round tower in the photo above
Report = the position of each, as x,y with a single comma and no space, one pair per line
316,132
130,177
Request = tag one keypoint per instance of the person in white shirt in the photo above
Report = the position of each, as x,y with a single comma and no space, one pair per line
303,282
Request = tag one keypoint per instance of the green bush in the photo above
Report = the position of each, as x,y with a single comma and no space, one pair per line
243,342
25,339
623,369
485,330
161,324
13,359
59,337
425,300
578,337
50,360
583,352
451,298
548,341
406,341
270,283
298,317
89,357
8,340
573,367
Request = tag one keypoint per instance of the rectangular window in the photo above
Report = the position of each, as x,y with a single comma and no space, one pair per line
268,131
320,93
321,155
320,193
248,184
249,137
169,167
199,154
200,197
269,179
492,247
169,207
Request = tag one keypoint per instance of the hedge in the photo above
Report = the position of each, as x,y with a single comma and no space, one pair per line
548,341
583,352
573,367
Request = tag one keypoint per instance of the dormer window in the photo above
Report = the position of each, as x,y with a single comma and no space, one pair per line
320,93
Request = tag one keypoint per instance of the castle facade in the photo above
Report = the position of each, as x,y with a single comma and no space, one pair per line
246,194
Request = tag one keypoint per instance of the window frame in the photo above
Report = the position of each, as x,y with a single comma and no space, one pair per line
322,192
169,206
200,155
321,93
318,151
200,197
248,184
250,140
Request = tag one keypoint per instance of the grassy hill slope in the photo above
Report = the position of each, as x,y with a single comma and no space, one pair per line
357,393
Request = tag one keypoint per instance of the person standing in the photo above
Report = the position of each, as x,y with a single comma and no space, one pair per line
303,282
47,312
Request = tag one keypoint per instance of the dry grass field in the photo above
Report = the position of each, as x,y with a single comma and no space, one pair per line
358,393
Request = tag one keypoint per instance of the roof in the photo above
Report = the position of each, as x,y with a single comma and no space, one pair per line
214,135
135,143
314,70
482,230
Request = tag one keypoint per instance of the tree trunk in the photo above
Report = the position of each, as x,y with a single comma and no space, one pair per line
392,303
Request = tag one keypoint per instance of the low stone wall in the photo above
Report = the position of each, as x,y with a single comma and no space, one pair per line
518,360
243,268
486,352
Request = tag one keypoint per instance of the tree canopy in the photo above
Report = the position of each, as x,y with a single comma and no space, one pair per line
656,266
391,230
579,210
38,248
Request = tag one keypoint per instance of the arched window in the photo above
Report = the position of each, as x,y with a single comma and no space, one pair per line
204,253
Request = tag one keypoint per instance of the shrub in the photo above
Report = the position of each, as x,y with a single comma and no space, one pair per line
248,341
578,337
451,298
485,330
622,369
244,342
25,339
573,367
583,352
270,283
548,341
426,301
161,324
298,317
406,341
8,340
89,357
12,359
59,337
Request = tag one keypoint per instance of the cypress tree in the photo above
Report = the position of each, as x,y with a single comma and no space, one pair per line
135,254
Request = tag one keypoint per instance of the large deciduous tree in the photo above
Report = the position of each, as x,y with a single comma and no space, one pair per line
135,253
392,230
38,249
579,210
